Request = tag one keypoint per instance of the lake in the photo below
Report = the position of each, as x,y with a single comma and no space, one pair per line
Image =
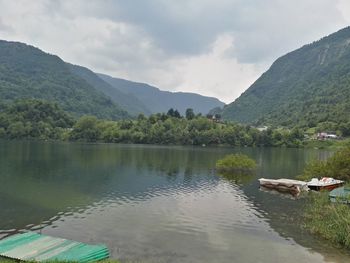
158,203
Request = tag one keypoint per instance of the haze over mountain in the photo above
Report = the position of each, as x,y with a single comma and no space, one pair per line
127,101
160,101
304,87
28,72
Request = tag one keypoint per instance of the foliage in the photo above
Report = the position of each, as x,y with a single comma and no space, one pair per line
173,113
27,72
190,114
44,120
327,144
86,129
308,87
173,129
328,220
337,166
235,163
34,119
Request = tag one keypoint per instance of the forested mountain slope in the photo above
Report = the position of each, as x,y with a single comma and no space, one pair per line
305,87
157,100
127,101
28,72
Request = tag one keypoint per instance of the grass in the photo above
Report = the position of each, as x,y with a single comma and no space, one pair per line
327,144
328,220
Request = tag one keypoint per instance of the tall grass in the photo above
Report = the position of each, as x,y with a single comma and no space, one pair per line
328,220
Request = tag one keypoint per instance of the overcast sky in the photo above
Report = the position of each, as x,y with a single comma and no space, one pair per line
212,47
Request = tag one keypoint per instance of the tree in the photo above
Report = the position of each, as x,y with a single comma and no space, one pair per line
190,114
86,129
16,130
141,117
170,112
177,114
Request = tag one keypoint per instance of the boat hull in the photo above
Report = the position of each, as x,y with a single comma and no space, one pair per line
325,187
284,185
340,195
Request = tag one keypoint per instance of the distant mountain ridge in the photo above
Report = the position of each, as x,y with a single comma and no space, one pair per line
28,72
158,100
126,101
304,87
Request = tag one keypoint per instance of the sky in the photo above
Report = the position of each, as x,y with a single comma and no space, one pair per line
212,47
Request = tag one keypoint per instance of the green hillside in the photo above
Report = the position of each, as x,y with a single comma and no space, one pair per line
308,86
157,100
127,101
27,72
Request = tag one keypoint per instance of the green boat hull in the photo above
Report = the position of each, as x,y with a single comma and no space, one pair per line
340,195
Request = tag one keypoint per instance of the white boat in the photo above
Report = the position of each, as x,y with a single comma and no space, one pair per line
325,183
284,185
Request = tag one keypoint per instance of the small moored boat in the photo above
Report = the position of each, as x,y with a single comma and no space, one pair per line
284,185
325,183
340,194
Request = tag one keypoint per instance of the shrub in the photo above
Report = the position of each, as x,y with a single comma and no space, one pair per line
235,163
337,166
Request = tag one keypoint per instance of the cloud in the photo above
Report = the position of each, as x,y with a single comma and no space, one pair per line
215,48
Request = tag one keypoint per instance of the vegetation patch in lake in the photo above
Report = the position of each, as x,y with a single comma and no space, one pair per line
235,164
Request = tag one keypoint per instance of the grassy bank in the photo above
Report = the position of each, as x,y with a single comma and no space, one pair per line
328,220
323,218
327,144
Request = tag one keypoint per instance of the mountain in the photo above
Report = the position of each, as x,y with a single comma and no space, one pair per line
28,72
128,102
157,100
305,87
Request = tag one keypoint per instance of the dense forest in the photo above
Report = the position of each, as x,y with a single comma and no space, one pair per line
27,72
33,119
38,119
308,87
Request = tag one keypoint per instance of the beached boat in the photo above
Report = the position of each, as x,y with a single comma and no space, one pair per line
284,185
340,194
325,183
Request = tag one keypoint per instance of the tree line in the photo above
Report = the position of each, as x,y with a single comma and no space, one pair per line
38,119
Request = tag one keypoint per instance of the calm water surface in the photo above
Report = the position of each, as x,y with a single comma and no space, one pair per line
158,204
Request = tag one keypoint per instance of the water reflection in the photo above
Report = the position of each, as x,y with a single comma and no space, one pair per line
156,204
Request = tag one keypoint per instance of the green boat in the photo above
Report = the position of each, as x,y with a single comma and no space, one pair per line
340,194
32,246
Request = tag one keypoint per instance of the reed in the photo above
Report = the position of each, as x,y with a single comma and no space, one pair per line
328,220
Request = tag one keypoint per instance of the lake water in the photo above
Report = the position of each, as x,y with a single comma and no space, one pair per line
158,204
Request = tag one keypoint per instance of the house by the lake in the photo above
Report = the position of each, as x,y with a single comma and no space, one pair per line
326,135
